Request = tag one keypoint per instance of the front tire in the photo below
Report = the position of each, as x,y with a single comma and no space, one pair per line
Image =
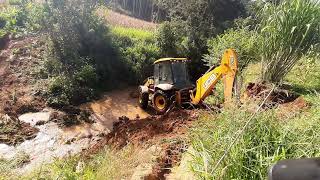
160,102
143,100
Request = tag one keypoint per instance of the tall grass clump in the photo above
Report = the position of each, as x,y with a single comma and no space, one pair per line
289,30
266,141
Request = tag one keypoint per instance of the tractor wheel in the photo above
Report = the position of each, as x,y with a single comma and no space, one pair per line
160,102
143,100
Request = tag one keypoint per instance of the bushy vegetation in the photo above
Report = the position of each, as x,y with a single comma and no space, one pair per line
243,40
79,53
84,55
138,49
192,23
20,17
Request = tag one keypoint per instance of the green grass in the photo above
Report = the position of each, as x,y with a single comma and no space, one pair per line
108,164
305,77
132,33
269,138
138,49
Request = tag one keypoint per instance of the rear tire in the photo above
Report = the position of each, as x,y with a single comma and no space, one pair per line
160,102
143,100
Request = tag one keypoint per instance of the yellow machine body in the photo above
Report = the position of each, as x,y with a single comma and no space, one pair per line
227,70
170,84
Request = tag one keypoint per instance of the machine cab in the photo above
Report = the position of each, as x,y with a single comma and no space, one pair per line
171,73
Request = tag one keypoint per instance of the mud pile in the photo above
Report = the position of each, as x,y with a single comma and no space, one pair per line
141,130
149,131
13,132
18,63
171,157
18,60
278,96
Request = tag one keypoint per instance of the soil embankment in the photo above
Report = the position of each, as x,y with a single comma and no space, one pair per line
18,92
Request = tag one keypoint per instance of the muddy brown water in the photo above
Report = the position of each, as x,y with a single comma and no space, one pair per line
53,142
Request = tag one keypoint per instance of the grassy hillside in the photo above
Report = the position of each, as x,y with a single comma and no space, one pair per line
288,131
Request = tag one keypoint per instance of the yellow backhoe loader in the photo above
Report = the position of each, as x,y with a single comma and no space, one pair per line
170,84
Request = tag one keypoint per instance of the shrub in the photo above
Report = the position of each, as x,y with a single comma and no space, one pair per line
194,22
167,40
87,76
60,91
138,50
242,40
66,23
10,19
66,90
289,31
21,17
79,47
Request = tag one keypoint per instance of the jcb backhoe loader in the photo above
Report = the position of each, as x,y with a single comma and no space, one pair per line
170,83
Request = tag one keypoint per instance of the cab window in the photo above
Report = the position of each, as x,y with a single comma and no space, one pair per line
165,73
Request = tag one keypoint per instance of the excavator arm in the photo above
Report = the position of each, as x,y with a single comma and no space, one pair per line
227,70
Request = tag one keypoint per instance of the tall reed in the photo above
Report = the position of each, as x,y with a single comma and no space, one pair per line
289,30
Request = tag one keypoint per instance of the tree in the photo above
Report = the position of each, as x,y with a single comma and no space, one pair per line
198,20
